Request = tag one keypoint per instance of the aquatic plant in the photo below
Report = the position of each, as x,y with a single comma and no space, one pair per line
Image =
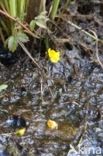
13,12
55,5
17,21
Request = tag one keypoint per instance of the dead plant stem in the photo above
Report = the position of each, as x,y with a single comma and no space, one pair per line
79,28
42,74
97,51
29,55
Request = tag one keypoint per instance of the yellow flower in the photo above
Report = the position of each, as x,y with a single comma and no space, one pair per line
53,55
52,124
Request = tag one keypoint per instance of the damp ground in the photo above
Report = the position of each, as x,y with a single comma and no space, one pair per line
70,93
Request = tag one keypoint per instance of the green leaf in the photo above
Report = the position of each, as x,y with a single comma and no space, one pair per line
3,86
32,25
41,20
12,43
41,23
22,37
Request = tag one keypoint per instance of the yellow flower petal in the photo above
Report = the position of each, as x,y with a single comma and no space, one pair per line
52,124
53,55
20,132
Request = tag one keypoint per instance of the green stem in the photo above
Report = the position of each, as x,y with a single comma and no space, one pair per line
22,8
13,8
54,10
46,43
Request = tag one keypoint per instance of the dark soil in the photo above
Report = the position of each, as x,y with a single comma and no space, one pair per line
71,93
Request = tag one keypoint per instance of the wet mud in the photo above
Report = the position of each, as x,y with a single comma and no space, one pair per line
71,94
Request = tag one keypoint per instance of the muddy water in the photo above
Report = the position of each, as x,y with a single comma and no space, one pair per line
72,96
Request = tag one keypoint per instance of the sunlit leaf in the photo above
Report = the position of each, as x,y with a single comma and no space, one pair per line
22,37
20,132
12,43
32,25
52,124
3,86
41,23
54,56
41,20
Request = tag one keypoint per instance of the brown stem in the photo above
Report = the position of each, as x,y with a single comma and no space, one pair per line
29,55
21,24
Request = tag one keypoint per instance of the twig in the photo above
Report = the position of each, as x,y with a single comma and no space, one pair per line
79,28
94,36
97,51
43,75
29,55
20,23
7,134
41,81
84,31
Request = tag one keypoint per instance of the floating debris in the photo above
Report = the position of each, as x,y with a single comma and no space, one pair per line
52,124
20,132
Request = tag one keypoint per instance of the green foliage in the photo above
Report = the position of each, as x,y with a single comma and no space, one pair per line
13,41
55,5
22,37
32,25
12,23
41,20
17,10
